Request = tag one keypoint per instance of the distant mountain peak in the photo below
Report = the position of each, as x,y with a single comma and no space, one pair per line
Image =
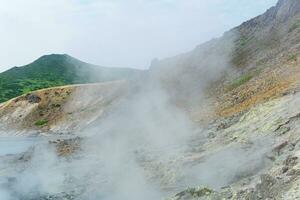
52,60
52,57
56,56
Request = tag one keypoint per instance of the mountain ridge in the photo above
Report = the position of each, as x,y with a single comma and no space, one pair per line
57,70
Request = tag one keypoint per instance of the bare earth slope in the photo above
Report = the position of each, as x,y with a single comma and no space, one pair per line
60,110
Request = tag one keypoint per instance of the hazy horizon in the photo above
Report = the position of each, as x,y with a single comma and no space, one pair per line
34,28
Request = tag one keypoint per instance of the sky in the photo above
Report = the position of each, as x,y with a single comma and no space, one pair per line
116,33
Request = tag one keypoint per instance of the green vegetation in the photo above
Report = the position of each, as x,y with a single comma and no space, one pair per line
261,62
241,53
292,57
243,41
243,79
41,122
295,26
56,70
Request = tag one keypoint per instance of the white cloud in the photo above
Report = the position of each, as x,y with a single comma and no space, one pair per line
114,32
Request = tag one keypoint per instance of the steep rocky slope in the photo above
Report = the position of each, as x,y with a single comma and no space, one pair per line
251,63
269,130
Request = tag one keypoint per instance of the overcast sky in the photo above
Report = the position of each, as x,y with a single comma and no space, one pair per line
125,33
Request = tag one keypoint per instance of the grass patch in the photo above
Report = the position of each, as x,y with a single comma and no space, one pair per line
243,79
295,26
243,41
292,57
41,122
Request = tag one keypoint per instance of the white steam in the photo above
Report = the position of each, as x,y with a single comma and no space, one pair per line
139,149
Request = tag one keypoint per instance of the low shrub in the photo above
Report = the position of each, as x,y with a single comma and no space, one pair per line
41,122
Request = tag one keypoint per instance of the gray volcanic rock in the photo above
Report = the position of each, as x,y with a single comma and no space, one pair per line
286,8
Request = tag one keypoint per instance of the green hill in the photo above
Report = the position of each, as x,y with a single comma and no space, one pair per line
56,70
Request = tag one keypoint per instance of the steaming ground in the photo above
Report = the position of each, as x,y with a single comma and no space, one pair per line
144,146
147,148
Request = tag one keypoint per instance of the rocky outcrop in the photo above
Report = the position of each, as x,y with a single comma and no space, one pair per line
286,9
